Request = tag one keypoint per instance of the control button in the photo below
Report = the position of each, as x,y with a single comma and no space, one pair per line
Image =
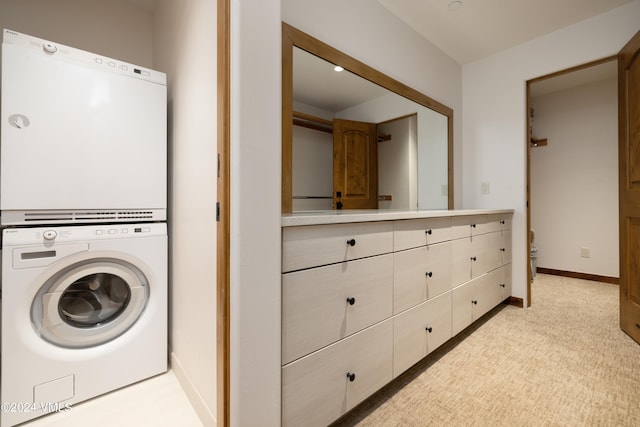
99,232
124,67
111,64
50,234
112,231
98,60
146,229
49,48
124,231
146,73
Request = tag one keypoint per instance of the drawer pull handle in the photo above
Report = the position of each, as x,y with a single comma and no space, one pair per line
429,329
428,232
502,285
473,258
502,221
637,325
351,376
474,302
503,249
473,226
351,300
351,242
429,274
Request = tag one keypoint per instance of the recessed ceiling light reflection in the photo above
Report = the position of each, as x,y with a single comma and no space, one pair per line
338,68
455,5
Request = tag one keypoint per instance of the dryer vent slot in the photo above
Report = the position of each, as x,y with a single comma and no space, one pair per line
84,216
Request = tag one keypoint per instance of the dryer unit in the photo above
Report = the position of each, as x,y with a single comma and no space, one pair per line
84,312
83,136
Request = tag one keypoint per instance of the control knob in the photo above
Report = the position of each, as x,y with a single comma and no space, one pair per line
50,234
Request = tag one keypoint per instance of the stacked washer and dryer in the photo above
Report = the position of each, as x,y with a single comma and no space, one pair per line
83,197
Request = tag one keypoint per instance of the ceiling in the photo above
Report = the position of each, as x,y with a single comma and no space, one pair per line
477,29
316,83
482,27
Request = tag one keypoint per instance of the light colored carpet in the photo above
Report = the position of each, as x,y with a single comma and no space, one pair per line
562,362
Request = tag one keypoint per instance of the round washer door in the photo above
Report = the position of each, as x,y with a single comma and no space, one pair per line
90,303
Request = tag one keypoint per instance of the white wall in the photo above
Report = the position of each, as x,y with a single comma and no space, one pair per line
312,171
116,28
397,164
256,140
574,179
433,155
185,48
494,110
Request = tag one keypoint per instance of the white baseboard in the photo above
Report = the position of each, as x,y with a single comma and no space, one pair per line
198,403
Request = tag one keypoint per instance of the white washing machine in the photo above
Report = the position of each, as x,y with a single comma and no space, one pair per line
84,312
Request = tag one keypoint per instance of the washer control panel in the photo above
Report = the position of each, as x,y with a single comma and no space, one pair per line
86,233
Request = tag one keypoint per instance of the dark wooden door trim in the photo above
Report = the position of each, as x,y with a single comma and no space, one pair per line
223,381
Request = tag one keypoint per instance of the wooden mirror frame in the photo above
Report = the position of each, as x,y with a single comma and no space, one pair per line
293,37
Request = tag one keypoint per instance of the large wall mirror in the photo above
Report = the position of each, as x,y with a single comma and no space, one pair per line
357,139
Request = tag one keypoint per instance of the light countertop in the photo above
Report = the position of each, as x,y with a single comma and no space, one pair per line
355,215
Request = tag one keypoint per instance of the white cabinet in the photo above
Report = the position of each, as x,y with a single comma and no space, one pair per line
420,274
469,258
325,304
476,297
322,386
364,301
420,330
311,246
412,233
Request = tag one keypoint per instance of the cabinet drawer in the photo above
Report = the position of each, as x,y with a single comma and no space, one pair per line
325,304
505,250
502,221
420,274
460,227
419,331
315,245
481,224
413,233
468,258
498,249
472,300
505,282
316,389
501,283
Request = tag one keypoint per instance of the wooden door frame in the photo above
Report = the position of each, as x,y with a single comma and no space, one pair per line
528,162
223,241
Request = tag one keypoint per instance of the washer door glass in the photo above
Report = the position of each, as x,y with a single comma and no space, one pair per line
90,302
94,299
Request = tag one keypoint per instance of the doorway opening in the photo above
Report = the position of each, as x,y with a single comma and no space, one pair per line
572,173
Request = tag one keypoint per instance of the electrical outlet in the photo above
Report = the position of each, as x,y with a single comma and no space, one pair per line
585,252
485,188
